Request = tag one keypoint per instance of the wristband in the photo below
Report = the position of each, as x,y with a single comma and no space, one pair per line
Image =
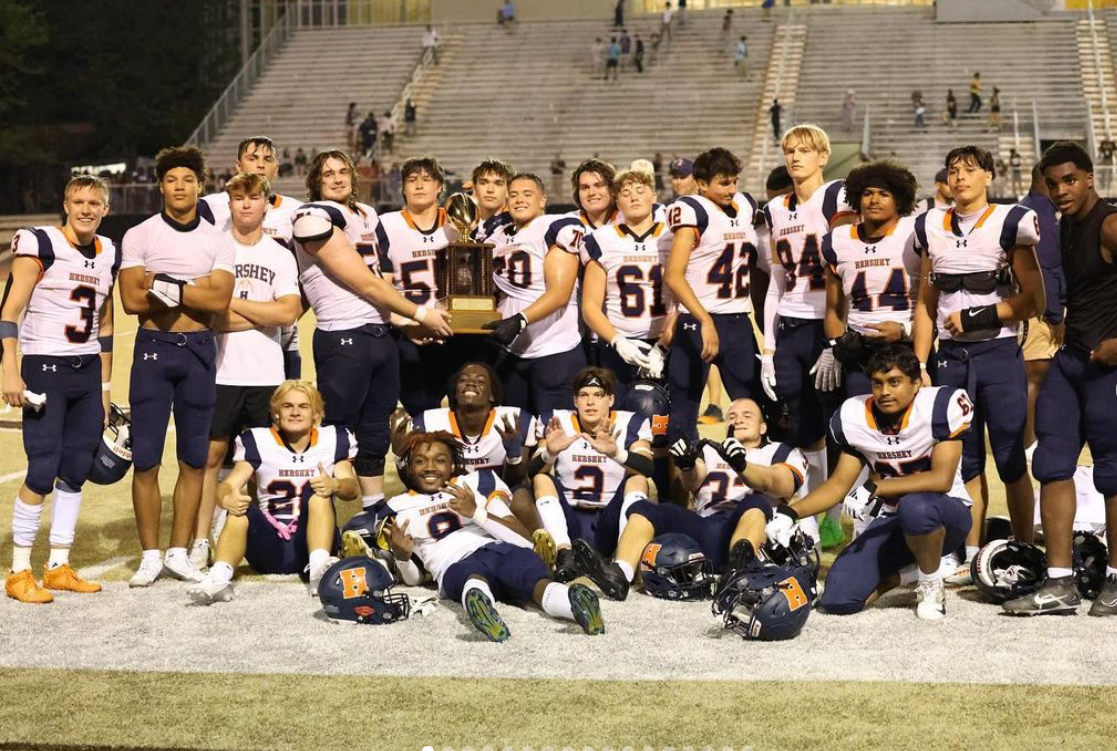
480,516
621,456
788,511
106,387
513,461
105,342
420,313
923,366
9,330
980,317
767,358
547,458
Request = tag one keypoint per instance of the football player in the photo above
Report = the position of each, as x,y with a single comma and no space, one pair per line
177,273
490,190
735,484
250,354
535,267
709,274
461,530
907,435
979,279
1075,404
591,467
299,467
623,297
872,270
61,285
942,198
259,155
593,194
408,243
355,356
797,366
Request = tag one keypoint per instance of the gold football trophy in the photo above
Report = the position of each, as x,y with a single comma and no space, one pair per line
465,272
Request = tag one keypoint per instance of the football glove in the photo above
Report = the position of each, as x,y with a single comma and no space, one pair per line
167,290
631,351
685,453
657,361
827,371
733,451
768,375
780,529
506,330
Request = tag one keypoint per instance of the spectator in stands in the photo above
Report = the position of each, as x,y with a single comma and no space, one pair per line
558,168
726,25
626,48
613,60
618,15
741,56
597,57
774,114
367,133
410,113
1000,179
975,94
682,177
351,114
1106,149
920,115
767,6
682,13
1016,163
388,131
849,110
656,41
951,108
395,185
995,111
638,54
657,171
300,161
508,13
431,42
285,165
668,19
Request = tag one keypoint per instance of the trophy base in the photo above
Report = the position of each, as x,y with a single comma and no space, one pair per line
470,313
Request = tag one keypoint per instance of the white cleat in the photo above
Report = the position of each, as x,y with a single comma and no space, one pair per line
199,554
182,568
150,569
209,591
317,573
930,597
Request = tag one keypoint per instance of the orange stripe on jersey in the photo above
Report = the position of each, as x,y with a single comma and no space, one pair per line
619,230
657,230
988,213
794,471
854,232
454,428
869,418
313,437
489,423
574,422
278,438
276,200
960,431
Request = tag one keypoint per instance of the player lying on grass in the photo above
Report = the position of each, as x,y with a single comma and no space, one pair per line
909,436
735,484
460,528
593,465
299,467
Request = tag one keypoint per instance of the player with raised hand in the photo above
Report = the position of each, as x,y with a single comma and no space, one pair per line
535,267
735,485
299,467
709,273
797,367
908,436
591,467
176,274
623,296
61,286
872,270
355,356
1075,404
979,279
490,191
594,195
250,354
459,526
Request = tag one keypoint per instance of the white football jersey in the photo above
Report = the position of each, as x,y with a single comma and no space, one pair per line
720,264
614,217
63,315
277,220
964,245
518,272
797,232
265,272
185,251
283,474
485,451
409,254
590,478
484,230
636,299
880,277
443,536
938,413
723,488
336,307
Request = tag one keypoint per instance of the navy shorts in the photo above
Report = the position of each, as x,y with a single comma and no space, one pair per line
239,408
1076,405
358,375
61,438
881,550
799,342
172,369
712,533
597,526
993,375
424,374
540,384
292,364
268,553
606,357
510,571
687,372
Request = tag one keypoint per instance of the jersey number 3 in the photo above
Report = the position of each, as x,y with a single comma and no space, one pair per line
87,296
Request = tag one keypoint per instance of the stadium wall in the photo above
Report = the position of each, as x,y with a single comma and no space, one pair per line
954,11
481,11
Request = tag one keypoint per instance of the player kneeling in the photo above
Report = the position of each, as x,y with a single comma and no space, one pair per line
299,468
735,484
910,438
600,462
462,531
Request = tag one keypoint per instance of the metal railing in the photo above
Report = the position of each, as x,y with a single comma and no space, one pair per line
242,84
866,132
409,89
1099,71
1035,131
781,65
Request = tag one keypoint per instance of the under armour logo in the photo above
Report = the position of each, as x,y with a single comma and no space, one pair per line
870,249
428,238
960,243
298,458
51,368
346,341
151,355
892,440
89,264
640,247
690,326
793,216
733,223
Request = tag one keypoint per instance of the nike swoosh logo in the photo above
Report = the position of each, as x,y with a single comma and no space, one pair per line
969,314
1047,599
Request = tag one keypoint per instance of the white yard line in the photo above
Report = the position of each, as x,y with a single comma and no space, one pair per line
12,476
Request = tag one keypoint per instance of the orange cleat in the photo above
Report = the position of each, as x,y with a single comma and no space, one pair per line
23,587
66,579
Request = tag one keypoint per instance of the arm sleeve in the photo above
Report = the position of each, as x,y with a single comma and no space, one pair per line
776,287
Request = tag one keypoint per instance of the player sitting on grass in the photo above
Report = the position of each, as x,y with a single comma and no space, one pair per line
462,531
299,468
592,467
735,484
910,438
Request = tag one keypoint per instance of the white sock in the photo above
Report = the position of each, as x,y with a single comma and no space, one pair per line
368,501
152,555
909,575
971,552
25,523
630,498
221,572
59,557
1058,573
556,601
1110,571
816,470
480,584
21,559
317,557
931,577
64,517
627,570
175,553
554,519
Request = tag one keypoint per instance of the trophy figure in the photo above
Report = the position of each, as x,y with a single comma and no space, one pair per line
465,272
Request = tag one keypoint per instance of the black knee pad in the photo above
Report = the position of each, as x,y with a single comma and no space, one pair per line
368,465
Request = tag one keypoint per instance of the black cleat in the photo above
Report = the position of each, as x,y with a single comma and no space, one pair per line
605,574
1057,595
566,570
742,558
1106,603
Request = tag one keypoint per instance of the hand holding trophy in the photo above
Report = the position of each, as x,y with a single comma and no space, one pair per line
465,272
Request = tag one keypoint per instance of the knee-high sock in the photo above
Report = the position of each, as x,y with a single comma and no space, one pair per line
556,601
480,584
629,499
64,518
554,519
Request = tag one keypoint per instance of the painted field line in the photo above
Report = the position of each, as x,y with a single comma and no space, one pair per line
12,476
97,569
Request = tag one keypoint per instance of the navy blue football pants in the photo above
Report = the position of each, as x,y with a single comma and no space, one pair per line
712,533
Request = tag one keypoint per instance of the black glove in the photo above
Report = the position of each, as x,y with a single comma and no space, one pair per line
784,510
734,454
685,453
506,330
850,350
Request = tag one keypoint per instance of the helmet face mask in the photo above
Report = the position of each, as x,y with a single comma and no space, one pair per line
675,568
1006,569
113,457
1090,560
359,590
765,604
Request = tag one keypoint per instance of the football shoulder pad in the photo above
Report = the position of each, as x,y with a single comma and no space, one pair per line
313,222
